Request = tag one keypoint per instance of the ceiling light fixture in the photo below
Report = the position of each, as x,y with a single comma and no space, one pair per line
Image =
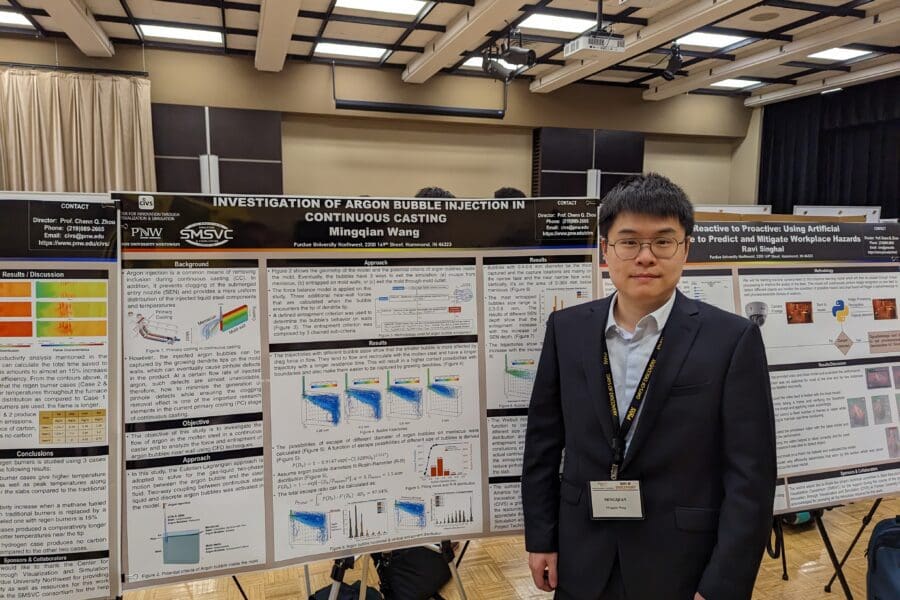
837,89
764,16
839,54
180,33
8,17
351,50
709,40
735,84
397,7
546,22
675,63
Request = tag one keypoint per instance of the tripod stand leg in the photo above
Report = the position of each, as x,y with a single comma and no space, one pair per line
238,584
462,553
363,585
784,572
832,555
456,578
865,523
308,583
447,552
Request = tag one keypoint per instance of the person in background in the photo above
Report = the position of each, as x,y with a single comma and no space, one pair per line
434,192
509,192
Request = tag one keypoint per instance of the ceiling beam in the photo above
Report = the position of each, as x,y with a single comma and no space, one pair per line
620,17
277,19
796,50
463,33
831,11
657,33
813,66
828,83
76,20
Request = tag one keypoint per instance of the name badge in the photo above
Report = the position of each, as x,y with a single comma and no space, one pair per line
616,500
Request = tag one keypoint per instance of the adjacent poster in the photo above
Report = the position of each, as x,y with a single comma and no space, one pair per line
310,377
825,299
58,418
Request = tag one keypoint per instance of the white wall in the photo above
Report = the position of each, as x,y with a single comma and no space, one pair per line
379,157
702,167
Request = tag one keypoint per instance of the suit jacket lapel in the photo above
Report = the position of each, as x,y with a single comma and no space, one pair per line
680,331
592,358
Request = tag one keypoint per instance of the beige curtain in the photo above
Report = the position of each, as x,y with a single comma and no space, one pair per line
74,132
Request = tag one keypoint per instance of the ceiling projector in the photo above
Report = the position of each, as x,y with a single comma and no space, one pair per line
594,43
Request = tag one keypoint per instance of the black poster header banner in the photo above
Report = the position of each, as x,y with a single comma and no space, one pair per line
50,230
792,242
160,222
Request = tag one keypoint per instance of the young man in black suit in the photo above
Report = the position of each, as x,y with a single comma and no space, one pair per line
663,407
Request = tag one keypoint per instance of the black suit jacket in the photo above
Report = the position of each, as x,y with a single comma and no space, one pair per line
703,449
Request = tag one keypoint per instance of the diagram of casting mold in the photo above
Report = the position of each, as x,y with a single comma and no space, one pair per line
405,396
154,330
209,531
314,528
224,322
409,513
823,314
452,509
179,547
365,398
444,398
321,403
367,519
177,327
444,460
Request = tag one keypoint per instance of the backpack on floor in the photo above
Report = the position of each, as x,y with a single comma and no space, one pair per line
411,574
347,592
883,576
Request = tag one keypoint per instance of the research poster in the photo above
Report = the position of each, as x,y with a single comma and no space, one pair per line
825,298
307,377
58,421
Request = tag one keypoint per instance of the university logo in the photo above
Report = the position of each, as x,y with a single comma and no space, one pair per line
207,234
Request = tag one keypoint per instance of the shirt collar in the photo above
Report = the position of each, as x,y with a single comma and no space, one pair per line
658,317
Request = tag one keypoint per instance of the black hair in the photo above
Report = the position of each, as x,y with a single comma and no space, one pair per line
650,194
509,192
434,192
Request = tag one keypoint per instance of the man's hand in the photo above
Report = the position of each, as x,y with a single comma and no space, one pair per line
543,570
697,596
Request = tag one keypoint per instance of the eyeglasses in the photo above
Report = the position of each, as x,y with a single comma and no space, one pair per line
661,247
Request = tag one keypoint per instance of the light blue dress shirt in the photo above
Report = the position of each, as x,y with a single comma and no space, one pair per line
629,353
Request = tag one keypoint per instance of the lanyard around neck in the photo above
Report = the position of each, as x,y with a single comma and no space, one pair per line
620,430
